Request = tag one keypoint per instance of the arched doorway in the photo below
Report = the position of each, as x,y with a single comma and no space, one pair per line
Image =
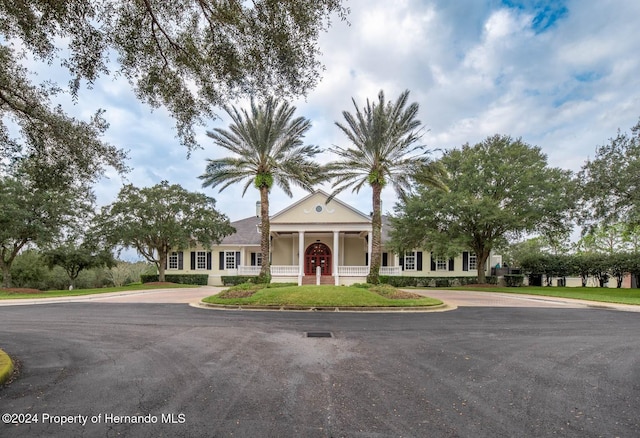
317,254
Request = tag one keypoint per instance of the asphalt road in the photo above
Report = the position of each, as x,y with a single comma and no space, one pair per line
190,372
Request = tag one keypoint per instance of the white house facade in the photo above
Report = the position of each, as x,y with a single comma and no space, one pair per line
314,242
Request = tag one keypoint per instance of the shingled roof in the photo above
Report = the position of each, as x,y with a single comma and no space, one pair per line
247,232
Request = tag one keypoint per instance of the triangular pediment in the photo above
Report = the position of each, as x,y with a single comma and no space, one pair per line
314,209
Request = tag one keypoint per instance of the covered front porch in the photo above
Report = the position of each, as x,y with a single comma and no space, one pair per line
313,255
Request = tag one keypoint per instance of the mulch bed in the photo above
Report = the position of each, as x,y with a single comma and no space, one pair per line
160,283
21,290
236,294
403,295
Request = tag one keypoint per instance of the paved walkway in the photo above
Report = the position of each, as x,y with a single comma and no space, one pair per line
157,296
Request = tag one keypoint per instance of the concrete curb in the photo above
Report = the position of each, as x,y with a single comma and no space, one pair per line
6,367
438,308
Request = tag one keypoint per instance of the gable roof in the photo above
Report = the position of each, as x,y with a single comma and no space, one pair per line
314,208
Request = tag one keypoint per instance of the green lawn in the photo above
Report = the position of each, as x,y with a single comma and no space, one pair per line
607,295
4,294
316,296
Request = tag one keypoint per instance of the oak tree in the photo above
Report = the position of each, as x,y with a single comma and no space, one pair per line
498,189
155,220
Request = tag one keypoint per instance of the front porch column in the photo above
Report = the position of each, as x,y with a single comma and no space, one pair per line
336,255
300,257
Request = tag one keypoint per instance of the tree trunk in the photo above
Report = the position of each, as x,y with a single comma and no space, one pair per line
376,246
161,264
482,262
265,270
6,274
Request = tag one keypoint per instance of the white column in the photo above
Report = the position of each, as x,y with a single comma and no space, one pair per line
336,255
300,257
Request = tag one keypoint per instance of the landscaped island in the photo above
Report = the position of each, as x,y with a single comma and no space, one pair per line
279,295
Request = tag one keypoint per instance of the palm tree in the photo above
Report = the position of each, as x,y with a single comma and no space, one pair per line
384,138
267,142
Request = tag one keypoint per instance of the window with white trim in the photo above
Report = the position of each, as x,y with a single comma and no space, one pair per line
442,264
201,260
258,259
173,261
473,261
410,261
230,260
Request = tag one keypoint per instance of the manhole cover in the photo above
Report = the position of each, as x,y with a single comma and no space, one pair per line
319,335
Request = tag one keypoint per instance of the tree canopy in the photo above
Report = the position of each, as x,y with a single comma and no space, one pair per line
155,220
188,56
610,182
34,215
499,188
75,257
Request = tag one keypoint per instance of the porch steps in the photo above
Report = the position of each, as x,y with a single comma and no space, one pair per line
324,279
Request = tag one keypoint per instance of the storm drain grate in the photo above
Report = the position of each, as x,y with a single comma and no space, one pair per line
319,335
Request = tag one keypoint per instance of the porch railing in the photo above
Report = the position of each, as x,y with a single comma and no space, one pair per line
390,270
353,271
292,271
248,270
284,270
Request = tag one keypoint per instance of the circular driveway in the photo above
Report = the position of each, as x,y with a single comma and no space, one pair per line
106,368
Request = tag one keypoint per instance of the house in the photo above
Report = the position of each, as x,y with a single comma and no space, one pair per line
314,241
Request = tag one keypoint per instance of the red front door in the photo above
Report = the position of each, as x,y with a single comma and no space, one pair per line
317,254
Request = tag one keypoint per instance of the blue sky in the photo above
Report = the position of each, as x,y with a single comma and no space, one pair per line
563,75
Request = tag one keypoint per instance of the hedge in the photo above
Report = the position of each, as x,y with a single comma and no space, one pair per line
428,281
199,279
232,280
513,280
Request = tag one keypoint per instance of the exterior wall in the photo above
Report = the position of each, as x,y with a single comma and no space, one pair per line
355,250
429,268
215,273
283,250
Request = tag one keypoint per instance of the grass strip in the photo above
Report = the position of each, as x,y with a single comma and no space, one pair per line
605,295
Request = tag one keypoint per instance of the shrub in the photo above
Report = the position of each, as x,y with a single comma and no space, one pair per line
149,278
513,280
428,281
198,279
232,280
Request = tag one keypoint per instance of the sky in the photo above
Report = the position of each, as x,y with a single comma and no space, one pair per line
561,75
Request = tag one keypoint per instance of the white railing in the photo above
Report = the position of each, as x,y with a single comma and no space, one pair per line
248,270
285,271
390,270
353,271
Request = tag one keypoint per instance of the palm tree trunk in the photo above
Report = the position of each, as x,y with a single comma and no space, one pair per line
376,223
265,271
